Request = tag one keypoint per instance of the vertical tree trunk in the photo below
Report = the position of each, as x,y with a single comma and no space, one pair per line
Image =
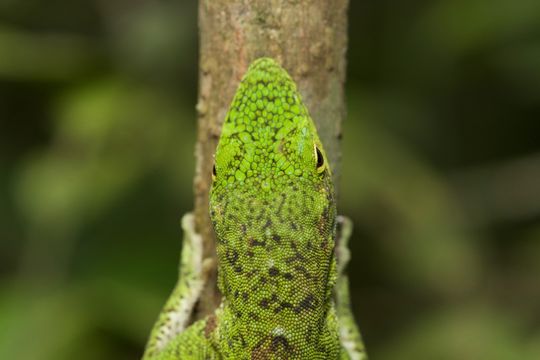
308,38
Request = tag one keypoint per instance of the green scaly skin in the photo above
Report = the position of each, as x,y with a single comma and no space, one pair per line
273,209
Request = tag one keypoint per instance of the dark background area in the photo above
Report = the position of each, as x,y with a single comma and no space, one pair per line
441,174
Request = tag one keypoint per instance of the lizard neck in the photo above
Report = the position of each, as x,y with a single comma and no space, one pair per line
276,270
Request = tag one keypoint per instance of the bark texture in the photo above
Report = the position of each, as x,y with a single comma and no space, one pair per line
308,38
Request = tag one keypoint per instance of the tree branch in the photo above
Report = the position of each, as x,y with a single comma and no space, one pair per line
308,38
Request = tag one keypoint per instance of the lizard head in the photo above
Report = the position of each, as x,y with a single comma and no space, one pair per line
268,137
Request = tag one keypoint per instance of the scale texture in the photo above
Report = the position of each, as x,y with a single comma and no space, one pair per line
274,214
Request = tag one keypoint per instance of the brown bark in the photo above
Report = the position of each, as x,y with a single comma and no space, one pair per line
308,38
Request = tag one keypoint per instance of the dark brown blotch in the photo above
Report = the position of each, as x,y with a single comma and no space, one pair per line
308,303
264,303
255,242
288,276
232,256
282,306
273,271
279,343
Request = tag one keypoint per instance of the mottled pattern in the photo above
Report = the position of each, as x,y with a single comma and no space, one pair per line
273,210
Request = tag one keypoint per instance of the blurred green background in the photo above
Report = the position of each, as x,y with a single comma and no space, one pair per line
441,174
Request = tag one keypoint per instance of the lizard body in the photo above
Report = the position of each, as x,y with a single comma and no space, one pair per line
273,209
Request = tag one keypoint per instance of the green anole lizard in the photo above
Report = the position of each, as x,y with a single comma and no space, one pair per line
273,209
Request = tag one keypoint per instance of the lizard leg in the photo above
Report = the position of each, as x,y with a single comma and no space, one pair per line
195,343
350,338
177,312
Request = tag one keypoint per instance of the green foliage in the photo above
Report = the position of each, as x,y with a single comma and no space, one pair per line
440,174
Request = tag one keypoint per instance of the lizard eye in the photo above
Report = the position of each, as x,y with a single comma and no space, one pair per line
320,159
214,172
